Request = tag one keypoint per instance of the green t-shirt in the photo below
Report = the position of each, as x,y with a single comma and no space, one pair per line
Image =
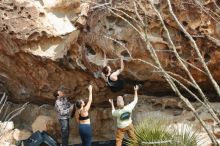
124,115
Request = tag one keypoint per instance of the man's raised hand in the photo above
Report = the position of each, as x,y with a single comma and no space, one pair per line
111,101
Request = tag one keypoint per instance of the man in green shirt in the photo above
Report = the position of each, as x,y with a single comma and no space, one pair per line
123,115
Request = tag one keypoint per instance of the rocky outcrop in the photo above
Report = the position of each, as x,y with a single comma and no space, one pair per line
102,23
9,135
41,48
45,44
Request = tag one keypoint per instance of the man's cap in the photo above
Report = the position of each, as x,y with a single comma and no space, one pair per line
120,101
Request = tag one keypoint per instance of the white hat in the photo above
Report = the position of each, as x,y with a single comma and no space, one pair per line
120,101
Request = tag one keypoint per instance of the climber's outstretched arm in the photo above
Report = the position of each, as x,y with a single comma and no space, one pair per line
117,72
105,61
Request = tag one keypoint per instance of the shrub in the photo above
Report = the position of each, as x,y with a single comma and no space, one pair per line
157,130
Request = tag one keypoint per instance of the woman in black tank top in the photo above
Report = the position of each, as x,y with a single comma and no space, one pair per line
115,86
82,117
112,78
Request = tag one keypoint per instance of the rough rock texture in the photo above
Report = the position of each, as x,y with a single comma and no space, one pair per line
6,133
102,23
9,135
42,47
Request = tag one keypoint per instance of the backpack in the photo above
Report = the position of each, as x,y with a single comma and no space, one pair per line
38,138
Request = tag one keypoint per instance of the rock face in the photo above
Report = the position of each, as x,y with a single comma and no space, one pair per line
41,48
103,23
45,44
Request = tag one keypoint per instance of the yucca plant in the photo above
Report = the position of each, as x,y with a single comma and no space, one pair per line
155,131
184,135
152,129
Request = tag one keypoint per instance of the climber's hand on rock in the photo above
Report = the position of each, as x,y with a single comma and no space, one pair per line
136,87
122,58
90,88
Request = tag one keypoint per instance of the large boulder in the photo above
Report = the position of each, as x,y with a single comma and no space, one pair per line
6,134
44,123
19,135
6,126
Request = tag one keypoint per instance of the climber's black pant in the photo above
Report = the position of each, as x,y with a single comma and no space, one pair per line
117,86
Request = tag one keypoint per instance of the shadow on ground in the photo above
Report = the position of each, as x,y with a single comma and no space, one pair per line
102,143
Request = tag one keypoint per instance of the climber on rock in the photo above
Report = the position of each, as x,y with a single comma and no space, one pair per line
123,115
64,110
111,77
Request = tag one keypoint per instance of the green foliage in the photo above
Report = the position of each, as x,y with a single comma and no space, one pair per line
184,135
155,129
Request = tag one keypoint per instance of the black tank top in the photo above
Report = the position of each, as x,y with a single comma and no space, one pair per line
111,82
81,118
115,86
